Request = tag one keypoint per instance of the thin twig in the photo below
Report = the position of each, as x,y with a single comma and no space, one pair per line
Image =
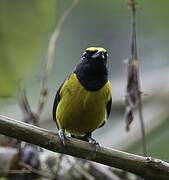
25,106
134,57
50,54
36,171
58,162
104,170
20,171
55,35
140,108
80,170
134,44
28,115
28,170
148,168
133,92
83,172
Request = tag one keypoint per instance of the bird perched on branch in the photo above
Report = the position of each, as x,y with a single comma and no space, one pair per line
83,101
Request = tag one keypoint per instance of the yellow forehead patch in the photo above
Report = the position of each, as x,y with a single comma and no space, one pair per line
96,49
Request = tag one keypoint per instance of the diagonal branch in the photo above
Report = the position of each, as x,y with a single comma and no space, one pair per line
50,54
148,168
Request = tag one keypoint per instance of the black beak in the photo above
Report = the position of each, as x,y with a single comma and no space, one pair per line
99,54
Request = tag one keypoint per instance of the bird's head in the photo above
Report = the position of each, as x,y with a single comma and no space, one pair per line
95,55
91,70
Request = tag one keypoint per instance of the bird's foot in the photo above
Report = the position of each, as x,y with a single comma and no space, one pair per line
94,142
89,139
62,136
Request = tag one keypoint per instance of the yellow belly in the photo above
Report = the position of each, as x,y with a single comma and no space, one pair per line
80,111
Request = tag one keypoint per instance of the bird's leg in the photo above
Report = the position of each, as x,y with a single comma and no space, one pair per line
62,136
88,137
83,138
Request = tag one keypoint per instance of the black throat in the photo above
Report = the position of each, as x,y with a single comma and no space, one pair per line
93,76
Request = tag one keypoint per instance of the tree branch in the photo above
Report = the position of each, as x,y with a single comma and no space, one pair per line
148,168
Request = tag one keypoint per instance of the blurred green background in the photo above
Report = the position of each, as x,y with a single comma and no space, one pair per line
25,29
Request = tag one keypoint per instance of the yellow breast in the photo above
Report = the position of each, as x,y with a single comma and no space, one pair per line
80,111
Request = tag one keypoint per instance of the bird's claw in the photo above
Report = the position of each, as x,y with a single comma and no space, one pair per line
62,136
94,142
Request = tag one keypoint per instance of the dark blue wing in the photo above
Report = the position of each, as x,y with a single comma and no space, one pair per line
108,107
56,102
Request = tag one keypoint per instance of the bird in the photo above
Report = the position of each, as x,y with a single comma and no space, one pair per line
83,101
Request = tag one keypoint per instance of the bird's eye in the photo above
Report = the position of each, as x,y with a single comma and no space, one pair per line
84,54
